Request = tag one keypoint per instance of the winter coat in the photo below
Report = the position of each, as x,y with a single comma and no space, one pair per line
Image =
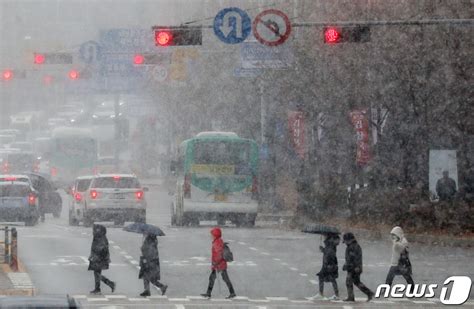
218,262
353,257
329,269
398,245
445,188
99,258
150,261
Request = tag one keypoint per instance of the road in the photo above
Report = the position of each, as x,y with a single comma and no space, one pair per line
273,268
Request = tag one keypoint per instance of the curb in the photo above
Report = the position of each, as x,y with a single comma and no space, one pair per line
20,281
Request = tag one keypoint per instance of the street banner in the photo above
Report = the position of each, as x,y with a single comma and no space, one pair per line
296,132
360,122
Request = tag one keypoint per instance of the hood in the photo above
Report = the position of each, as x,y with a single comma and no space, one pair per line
398,231
348,238
216,232
99,230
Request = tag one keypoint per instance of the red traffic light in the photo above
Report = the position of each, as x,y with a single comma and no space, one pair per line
39,58
332,35
138,59
163,37
73,74
7,74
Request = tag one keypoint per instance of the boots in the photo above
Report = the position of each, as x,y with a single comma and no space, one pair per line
95,291
145,293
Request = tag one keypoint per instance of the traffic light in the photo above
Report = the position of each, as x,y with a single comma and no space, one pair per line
178,36
52,58
7,74
346,34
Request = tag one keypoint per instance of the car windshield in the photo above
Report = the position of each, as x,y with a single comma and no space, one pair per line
293,153
83,184
116,182
14,190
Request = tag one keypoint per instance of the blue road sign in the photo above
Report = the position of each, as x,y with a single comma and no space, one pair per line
232,25
90,52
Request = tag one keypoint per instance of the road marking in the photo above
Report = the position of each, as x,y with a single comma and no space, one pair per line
180,306
220,300
300,301
261,307
111,242
347,307
241,298
242,243
284,264
313,282
138,299
79,296
259,300
265,253
304,275
424,302
115,296
178,299
294,268
252,248
134,262
92,299
382,302
276,259
158,296
277,298
117,247
129,257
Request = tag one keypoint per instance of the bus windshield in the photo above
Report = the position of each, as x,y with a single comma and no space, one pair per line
221,152
83,148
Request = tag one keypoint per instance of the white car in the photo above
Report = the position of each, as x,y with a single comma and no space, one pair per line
77,206
113,197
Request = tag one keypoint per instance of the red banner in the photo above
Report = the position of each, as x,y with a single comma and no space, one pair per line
296,130
360,122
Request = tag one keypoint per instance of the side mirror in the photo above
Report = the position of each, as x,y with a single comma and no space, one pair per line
145,189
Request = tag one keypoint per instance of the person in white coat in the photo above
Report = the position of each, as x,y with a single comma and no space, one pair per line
400,264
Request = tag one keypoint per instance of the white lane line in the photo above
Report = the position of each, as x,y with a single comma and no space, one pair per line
115,296
294,268
241,298
382,302
111,242
252,248
300,301
178,299
158,296
284,264
123,253
117,247
195,297
347,307
79,296
424,302
261,307
138,299
92,299
264,253
259,300
313,281
53,264
180,306
220,300
276,259
129,257
134,262
242,243
277,298
304,275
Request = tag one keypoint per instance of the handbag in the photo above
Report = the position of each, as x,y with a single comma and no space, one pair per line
404,264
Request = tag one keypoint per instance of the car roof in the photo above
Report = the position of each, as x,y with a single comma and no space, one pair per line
20,183
85,177
112,175
14,176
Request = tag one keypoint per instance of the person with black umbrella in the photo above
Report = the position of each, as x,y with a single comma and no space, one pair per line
353,266
99,258
150,265
329,270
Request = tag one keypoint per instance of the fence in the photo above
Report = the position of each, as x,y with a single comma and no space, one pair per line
10,247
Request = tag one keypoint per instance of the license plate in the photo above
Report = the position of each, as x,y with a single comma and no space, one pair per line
118,196
220,197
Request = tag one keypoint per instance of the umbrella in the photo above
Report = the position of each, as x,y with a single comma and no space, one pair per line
320,229
143,228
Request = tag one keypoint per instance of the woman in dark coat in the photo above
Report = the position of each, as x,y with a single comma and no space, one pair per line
329,270
99,258
150,265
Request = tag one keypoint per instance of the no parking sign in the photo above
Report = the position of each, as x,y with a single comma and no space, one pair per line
271,27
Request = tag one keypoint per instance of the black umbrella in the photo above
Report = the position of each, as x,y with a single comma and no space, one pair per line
143,228
320,229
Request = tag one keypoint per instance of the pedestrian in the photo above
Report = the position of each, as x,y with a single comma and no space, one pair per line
329,270
353,266
150,265
446,187
219,264
99,258
400,264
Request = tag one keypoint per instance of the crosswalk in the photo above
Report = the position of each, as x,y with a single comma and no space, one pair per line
109,301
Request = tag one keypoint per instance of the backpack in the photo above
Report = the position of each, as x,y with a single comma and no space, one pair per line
227,254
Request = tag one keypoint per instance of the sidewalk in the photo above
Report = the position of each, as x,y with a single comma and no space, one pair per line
15,283
287,220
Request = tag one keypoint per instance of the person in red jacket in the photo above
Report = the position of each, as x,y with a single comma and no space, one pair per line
218,264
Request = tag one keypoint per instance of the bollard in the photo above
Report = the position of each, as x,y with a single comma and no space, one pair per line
7,246
14,251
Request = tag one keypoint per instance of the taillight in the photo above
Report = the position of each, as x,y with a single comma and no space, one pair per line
31,199
78,196
139,195
54,171
187,186
94,194
254,187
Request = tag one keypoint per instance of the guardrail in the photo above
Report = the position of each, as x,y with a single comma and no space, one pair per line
10,247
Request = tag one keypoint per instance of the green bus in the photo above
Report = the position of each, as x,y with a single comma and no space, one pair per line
216,180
